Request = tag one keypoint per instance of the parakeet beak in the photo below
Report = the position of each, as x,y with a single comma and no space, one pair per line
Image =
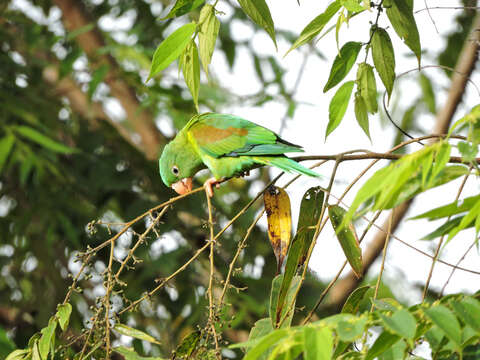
183,186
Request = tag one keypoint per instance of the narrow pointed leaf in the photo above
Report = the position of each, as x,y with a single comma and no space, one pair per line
171,48
310,210
343,63
318,343
19,354
37,137
367,86
279,218
354,300
400,14
259,12
283,300
454,208
191,70
316,25
338,106
383,58
361,113
446,321
352,6
135,333
6,145
207,36
183,7
347,237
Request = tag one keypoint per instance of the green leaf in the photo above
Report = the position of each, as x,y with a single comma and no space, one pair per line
19,354
352,5
472,215
266,343
386,304
400,14
347,238
316,25
446,321
63,315
453,208
343,63
182,7
207,36
135,333
171,48
261,328
191,70
383,57
6,345
338,106
188,345
384,342
401,323
258,11
318,343
395,352
367,86
310,211
361,113
354,300
130,354
428,94
48,334
468,150
468,310
282,298
351,330
6,145
46,142
443,229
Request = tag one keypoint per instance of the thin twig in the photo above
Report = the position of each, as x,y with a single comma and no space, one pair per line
211,305
440,242
106,301
384,256
458,263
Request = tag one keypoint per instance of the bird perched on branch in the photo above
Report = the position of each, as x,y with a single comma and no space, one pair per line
228,146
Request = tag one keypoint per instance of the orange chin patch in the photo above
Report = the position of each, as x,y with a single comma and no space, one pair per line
183,186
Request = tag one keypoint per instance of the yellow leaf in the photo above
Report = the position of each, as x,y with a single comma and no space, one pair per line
279,218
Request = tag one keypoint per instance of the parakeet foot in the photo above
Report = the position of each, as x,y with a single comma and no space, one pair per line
208,185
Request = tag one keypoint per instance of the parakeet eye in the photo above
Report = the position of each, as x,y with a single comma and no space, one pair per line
175,170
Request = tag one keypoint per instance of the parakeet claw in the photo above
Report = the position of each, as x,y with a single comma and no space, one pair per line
208,186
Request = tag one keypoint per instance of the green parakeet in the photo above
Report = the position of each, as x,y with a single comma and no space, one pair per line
228,146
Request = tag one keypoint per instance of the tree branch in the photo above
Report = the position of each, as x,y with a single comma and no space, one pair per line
74,18
463,69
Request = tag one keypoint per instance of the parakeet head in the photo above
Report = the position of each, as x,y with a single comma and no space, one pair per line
178,163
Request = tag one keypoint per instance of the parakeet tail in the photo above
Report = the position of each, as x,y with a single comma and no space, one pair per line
286,164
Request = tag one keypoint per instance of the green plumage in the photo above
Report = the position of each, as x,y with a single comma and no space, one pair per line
228,146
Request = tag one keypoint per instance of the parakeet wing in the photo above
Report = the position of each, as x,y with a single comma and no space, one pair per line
220,135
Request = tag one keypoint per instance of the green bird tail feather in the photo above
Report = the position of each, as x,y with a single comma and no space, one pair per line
286,164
